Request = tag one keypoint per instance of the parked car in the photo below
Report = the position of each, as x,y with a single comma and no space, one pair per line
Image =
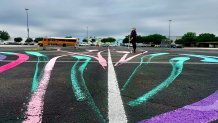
112,45
2,42
105,45
141,45
156,45
92,45
84,44
29,43
12,43
176,46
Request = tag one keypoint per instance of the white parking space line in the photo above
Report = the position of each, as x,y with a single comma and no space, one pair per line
116,112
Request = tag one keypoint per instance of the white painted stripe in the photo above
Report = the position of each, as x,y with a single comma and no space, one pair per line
116,112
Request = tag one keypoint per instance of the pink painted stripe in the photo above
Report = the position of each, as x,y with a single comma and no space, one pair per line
124,59
100,59
21,58
35,106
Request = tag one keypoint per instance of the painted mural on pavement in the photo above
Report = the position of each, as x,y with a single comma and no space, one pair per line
204,110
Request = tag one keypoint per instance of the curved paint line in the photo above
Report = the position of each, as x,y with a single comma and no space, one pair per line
177,64
205,58
36,103
2,57
124,59
126,52
213,106
37,76
151,56
21,58
36,54
92,50
203,111
80,96
100,59
80,90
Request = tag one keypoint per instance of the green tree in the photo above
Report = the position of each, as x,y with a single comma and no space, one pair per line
179,41
145,39
109,39
155,38
188,39
126,39
18,39
206,37
38,39
68,37
4,36
29,40
85,40
139,39
93,40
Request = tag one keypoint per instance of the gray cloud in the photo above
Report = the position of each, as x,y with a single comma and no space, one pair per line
108,18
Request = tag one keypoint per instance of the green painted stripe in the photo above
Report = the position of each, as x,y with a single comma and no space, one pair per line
177,64
80,89
150,57
37,75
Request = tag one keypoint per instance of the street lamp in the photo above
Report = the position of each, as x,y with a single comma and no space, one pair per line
27,22
169,28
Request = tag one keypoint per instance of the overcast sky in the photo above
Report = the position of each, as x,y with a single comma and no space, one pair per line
106,18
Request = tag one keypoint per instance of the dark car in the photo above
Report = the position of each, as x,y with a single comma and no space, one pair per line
176,46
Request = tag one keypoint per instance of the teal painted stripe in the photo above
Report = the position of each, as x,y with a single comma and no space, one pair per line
204,57
37,75
35,54
9,53
177,64
80,96
80,89
150,57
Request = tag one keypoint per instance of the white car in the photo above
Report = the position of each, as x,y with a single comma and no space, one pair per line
1,42
84,44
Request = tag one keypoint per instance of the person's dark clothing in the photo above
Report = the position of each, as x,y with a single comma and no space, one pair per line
133,41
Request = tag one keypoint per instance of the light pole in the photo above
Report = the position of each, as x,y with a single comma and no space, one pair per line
27,24
169,28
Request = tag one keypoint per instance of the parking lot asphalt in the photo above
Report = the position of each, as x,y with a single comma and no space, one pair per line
108,84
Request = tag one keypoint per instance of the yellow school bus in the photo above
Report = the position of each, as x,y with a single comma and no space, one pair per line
58,41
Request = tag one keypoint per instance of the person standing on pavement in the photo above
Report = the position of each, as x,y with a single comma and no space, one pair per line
132,39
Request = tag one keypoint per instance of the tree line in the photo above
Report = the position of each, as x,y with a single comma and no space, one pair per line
150,39
191,39
4,36
188,39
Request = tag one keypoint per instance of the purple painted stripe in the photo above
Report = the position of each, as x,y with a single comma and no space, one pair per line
205,110
2,57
